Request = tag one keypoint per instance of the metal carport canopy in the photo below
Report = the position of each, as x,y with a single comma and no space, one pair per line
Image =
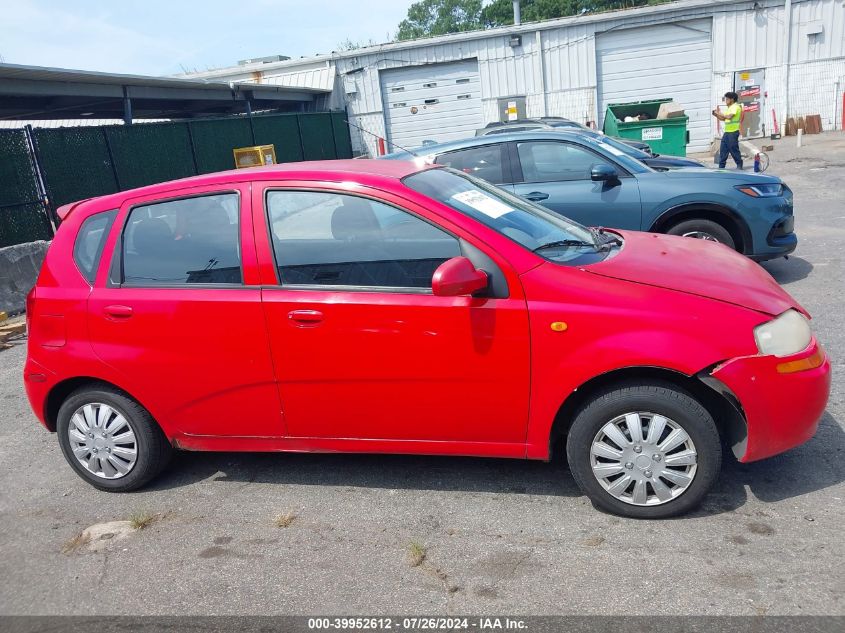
32,92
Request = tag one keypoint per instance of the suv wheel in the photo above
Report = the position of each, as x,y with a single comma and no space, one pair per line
110,440
644,451
703,230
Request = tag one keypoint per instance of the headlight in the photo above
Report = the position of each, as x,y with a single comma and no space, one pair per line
770,190
785,335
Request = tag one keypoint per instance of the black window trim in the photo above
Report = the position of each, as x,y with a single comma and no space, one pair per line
519,176
342,288
101,249
116,272
507,170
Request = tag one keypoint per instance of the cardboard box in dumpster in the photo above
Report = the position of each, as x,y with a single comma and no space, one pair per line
669,110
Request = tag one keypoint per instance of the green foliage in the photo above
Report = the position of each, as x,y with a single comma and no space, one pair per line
439,17
350,45
500,12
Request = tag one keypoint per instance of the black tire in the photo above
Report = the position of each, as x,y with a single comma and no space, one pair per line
153,449
662,399
707,227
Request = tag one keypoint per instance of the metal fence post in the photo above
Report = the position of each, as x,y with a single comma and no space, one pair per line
40,186
249,117
111,159
193,147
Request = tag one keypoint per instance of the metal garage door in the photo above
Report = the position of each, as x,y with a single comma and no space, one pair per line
437,102
667,60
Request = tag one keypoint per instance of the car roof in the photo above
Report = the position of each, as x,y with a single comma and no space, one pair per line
363,171
543,120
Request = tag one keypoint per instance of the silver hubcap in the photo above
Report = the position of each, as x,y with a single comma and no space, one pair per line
102,440
701,235
644,459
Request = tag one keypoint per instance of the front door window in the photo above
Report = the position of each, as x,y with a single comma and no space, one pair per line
330,239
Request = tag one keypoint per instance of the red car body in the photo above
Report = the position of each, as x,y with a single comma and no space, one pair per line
260,367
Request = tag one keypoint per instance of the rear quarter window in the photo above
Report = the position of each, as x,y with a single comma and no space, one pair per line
90,241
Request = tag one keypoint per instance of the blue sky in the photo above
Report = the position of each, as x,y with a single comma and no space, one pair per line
161,37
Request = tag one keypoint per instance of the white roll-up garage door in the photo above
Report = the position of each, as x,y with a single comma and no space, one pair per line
432,102
655,62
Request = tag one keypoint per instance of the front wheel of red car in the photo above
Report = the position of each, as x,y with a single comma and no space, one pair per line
110,440
646,451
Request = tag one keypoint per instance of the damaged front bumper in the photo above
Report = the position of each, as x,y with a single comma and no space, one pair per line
780,400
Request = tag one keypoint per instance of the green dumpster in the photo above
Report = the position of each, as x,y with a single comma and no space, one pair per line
664,136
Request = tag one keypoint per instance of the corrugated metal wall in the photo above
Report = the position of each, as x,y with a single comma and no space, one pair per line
562,81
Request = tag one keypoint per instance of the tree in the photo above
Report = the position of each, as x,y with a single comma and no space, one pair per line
439,17
500,12
349,45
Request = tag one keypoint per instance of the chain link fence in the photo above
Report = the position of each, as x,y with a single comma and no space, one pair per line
45,168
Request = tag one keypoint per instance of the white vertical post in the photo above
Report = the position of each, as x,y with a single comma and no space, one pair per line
540,72
787,27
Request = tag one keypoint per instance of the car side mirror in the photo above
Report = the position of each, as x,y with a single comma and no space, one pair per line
603,173
456,277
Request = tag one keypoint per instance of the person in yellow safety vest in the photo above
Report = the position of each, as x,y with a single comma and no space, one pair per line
730,138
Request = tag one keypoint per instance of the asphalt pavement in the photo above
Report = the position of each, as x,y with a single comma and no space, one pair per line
357,534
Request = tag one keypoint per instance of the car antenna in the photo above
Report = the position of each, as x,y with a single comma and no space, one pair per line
360,129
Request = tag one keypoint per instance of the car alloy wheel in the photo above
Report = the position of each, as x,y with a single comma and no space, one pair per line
701,235
102,440
643,458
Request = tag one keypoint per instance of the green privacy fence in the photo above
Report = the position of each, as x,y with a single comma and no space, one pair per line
75,163
23,216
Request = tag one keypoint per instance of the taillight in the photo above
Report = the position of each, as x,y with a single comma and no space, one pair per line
30,306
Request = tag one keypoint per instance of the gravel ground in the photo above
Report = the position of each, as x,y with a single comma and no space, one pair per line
493,536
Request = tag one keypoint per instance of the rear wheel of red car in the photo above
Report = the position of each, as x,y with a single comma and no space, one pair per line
703,230
646,451
110,440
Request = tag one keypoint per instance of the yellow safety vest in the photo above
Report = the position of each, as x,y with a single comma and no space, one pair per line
735,112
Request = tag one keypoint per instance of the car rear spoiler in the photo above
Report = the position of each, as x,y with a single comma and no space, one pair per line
64,210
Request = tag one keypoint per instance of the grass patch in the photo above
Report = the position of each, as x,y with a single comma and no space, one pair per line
416,554
142,520
285,520
76,542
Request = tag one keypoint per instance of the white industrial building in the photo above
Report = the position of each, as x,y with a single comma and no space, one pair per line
790,52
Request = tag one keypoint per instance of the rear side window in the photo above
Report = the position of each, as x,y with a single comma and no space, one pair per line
187,241
486,162
90,241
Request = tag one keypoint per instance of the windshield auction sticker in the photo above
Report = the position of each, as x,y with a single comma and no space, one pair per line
483,203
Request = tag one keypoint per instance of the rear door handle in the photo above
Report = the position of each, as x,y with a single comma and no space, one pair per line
536,196
305,317
118,312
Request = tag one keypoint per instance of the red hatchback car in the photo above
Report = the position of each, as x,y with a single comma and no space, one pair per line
388,307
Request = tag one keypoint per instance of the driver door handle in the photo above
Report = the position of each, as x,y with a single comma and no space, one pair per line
117,312
536,196
305,317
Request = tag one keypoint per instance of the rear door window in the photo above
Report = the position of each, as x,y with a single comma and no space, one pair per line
90,241
186,241
486,162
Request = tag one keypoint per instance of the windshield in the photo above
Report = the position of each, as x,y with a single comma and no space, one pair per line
623,153
624,147
536,228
